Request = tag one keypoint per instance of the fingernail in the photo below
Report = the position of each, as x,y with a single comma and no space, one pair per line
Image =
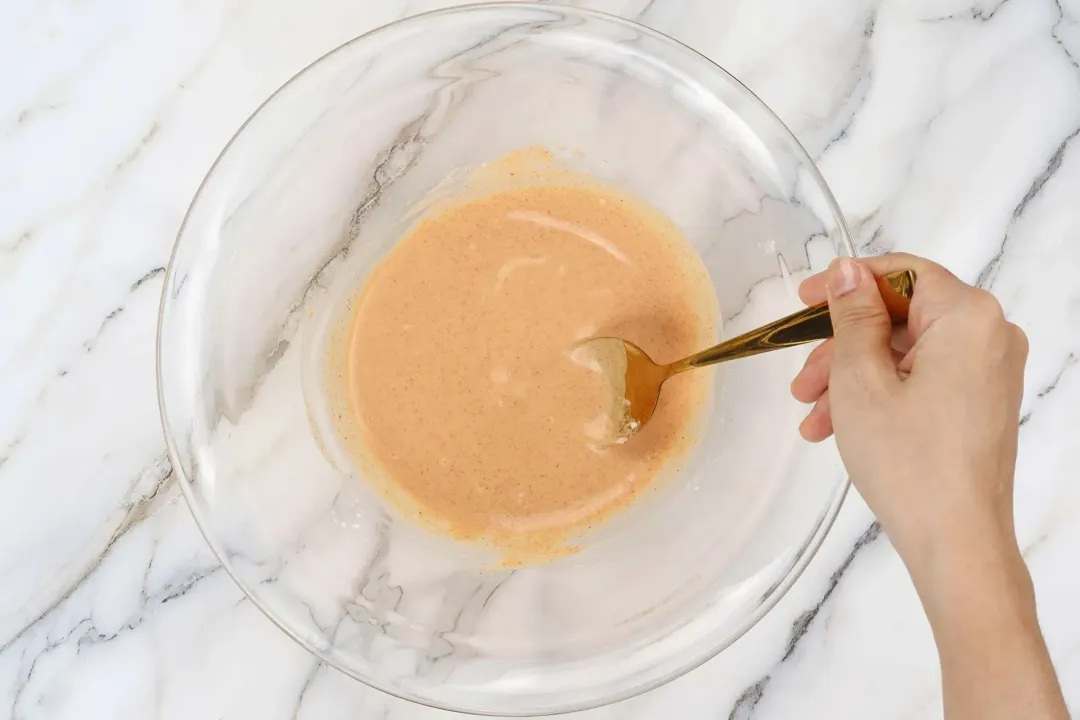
843,276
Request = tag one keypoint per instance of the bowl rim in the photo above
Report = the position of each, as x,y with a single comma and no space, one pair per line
805,554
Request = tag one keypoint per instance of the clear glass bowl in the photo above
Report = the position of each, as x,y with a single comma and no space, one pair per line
311,192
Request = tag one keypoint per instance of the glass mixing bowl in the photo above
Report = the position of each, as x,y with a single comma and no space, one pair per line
311,192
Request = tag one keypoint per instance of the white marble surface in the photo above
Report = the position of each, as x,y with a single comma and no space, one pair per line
945,127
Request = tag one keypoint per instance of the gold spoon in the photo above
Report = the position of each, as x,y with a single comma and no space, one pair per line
635,379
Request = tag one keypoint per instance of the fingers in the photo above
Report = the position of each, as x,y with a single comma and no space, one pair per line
813,379
860,351
812,289
1020,342
862,328
817,425
892,262
901,340
936,289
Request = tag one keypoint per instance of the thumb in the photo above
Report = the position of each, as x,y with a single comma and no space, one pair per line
862,328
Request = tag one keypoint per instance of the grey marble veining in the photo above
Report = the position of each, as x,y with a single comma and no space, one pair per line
946,128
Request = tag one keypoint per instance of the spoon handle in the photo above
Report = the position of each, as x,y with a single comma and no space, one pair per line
804,326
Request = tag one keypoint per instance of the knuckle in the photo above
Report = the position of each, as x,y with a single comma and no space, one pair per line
927,272
985,318
986,307
1019,340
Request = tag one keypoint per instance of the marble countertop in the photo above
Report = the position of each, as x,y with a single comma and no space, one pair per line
945,127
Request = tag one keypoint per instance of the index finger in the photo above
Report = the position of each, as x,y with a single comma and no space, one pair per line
812,290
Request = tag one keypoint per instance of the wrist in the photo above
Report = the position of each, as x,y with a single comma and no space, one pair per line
971,565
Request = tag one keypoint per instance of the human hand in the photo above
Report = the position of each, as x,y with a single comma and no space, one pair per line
926,416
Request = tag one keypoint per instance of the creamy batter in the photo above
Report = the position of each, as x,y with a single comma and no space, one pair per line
461,376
